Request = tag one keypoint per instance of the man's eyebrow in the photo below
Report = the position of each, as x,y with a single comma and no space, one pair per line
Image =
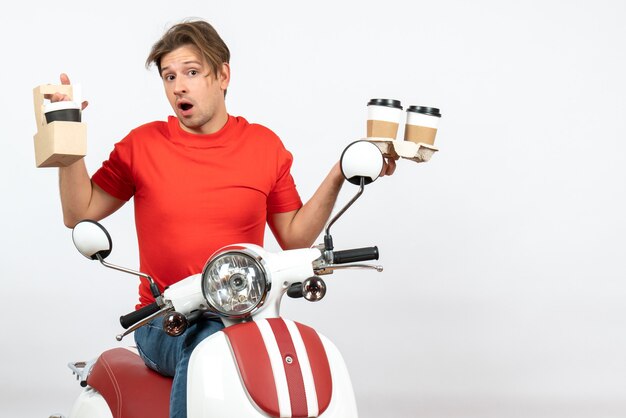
184,63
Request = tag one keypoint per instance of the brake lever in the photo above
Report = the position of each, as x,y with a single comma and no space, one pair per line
328,269
166,309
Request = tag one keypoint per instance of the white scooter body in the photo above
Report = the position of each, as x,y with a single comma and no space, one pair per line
90,403
215,386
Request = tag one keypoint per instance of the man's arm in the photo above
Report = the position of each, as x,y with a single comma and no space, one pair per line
300,228
82,199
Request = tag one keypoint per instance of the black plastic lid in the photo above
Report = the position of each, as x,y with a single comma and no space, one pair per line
432,111
67,115
385,102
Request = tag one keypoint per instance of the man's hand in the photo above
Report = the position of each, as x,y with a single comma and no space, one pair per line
389,166
59,97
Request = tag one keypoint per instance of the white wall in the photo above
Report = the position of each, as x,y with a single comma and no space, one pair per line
503,293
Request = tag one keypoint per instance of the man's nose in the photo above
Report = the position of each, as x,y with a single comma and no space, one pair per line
180,87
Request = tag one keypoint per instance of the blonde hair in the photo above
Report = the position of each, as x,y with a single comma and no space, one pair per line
196,33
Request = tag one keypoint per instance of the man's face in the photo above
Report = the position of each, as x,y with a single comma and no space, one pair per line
195,94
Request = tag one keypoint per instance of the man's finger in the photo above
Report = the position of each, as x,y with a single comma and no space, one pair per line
56,97
391,166
65,79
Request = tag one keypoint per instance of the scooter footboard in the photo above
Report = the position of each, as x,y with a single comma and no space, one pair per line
273,367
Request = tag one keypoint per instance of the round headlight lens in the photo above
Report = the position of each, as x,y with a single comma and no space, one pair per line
234,283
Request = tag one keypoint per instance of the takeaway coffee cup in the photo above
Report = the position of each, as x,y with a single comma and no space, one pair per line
62,111
421,124
383,118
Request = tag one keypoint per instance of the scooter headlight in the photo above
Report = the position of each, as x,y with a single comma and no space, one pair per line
235,283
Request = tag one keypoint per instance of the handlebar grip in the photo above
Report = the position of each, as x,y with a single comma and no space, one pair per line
357,254
132,318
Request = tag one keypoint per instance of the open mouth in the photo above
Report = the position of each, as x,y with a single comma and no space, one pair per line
185,106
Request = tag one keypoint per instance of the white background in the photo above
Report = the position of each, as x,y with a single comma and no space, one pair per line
503,293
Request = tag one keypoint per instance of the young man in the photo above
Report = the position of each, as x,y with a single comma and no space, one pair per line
201,180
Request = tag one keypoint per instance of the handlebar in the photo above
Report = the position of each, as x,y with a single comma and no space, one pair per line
354,255
132,318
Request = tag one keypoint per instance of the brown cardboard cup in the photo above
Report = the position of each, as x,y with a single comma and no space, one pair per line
421,124
383,118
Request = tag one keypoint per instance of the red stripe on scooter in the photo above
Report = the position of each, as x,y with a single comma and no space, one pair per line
319,366
295,382
254,365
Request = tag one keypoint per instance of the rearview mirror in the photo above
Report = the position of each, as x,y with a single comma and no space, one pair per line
361,160
92,239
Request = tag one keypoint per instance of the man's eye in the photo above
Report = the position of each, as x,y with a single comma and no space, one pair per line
169,77
193,72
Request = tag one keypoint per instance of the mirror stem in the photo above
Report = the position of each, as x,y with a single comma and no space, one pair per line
328,239
153,286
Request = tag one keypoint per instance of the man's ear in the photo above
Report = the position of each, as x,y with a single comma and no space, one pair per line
224,76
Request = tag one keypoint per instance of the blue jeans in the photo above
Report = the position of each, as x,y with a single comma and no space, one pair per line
169,356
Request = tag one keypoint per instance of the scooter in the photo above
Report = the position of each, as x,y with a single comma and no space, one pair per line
260,364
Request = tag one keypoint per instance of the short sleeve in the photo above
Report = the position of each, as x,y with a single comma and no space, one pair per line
115,175
284,196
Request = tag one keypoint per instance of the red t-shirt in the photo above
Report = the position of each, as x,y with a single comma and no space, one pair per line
197,193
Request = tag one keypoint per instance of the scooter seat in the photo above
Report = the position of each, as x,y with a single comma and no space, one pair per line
130,388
